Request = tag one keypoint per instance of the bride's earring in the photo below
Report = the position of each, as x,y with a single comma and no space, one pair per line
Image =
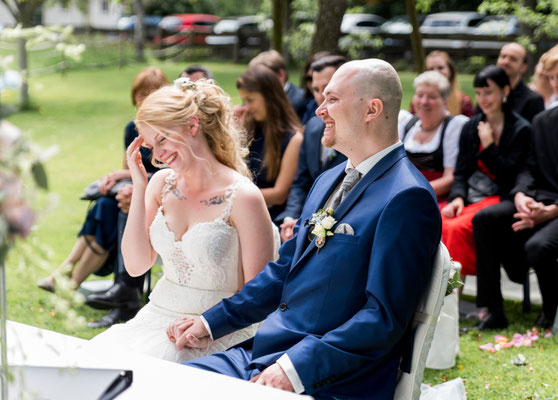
505,100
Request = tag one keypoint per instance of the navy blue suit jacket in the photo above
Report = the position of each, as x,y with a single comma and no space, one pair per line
297,99
343,313
309,168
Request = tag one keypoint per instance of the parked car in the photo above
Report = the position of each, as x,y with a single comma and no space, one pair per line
174,27
356,23
498,25
449,23
150,23
246,31
399,24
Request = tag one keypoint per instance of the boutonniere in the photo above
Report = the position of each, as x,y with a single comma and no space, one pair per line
322,221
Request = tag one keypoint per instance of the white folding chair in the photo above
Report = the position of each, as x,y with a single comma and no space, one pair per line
426,317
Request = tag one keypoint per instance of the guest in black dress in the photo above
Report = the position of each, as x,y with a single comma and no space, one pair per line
493,148
98,237
274,133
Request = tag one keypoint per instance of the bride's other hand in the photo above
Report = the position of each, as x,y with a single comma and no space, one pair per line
196,336
135,164
177,327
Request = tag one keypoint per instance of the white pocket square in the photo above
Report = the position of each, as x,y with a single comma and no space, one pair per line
344,229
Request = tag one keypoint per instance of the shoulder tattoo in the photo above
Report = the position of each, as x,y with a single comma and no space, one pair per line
213,201
178,195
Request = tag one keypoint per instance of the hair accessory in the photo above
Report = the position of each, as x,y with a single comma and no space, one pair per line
184,83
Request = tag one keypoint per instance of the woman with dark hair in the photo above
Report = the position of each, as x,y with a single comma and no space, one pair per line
458,102
492,150
274,132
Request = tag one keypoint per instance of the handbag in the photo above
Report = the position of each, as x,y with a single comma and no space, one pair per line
480,186
91,192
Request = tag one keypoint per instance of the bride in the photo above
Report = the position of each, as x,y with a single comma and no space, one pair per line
202,215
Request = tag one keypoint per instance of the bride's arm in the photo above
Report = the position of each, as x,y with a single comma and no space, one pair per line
137,251
250,217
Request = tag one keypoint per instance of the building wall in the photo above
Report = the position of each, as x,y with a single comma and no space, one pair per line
6,18
103,14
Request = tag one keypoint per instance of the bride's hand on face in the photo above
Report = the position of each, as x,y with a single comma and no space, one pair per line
135,164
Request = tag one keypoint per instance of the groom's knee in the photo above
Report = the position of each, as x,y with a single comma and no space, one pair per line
231,363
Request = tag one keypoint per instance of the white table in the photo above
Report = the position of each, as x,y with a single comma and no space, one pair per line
153,378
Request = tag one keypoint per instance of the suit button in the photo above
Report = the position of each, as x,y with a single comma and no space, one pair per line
283,307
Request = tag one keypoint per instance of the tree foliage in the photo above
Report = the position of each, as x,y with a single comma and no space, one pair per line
23,11
223,8
542,19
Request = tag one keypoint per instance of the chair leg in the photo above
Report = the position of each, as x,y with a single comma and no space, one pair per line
526,294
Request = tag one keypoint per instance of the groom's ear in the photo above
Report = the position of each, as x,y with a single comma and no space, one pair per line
374,109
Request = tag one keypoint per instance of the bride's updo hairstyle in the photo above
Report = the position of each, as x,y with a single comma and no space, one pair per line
173,106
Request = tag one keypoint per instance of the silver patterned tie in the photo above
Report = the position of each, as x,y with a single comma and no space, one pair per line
350,180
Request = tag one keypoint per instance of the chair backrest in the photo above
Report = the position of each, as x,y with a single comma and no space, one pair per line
426,317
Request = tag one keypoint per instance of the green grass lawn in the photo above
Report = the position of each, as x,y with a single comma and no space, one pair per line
85,113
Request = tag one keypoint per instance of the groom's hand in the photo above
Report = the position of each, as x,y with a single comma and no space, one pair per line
274,376
177,327
195,336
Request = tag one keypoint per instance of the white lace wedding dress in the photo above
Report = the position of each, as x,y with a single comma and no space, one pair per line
199,270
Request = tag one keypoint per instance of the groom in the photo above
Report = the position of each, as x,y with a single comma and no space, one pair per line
338,318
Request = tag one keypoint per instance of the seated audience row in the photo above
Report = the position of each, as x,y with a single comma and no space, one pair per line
522,231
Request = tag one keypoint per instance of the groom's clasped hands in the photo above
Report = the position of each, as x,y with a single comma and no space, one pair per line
188,332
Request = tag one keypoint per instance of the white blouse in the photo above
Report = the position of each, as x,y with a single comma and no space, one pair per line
451,137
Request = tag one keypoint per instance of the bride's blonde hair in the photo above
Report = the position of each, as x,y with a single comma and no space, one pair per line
173,106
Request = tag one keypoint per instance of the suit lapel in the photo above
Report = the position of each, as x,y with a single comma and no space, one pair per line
378,170
329,181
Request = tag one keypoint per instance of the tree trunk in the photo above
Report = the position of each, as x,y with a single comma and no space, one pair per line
22,65
416,38
23,12
139,30
278,16
528,31
328,25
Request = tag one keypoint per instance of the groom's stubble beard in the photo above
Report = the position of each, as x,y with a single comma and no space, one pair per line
328,140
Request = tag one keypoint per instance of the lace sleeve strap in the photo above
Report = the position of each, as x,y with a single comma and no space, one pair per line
170,182
230,194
